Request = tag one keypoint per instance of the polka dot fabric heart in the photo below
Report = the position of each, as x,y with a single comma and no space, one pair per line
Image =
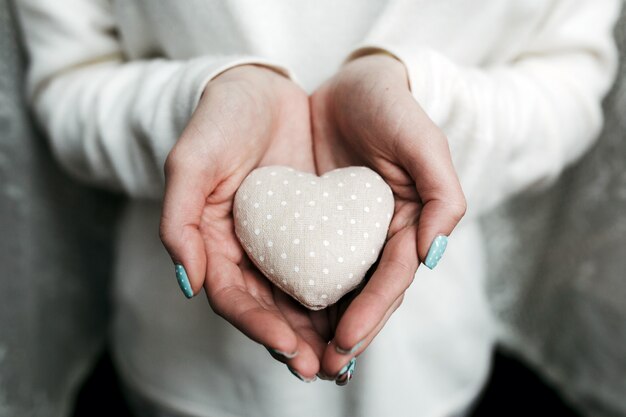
313,237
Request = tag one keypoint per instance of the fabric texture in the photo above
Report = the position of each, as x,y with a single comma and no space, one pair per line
313,237
56,250
111,117
557,279
113,82
513,125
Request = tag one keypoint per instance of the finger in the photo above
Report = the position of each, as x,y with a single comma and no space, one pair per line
394,274
183,203
321,324
229,296
339,308
329,148
306,363
299,363
332,313
333,361
423,151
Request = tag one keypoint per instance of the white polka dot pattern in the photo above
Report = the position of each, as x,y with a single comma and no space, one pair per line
313,237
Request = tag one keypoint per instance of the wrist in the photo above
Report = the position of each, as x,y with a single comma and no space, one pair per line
379,62
255,78
247,71
360,77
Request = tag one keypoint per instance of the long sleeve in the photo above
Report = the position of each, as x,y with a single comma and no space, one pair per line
110,121
515,125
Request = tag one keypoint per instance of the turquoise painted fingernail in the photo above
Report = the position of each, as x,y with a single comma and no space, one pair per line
300,377
183,280
350,351
437,248
345,368
345,374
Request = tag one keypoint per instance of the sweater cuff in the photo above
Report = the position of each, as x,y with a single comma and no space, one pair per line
374,49
196,74
429,74
224,64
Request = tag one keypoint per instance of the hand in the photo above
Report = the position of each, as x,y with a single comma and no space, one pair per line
248,116
366,115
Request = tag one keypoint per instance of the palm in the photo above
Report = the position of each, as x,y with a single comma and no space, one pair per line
351,132
263,311
242,285
248,117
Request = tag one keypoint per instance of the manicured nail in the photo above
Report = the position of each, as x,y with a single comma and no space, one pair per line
300,377
437,248
343,370
277,354
183,280
321,375
345,374
350,351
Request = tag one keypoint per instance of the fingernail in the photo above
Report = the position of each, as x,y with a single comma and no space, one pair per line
345,374
350,351
343,370
280,354
183,280
300,377
437,248
321,375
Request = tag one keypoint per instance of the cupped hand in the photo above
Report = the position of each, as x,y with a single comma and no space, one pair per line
248,116
366,115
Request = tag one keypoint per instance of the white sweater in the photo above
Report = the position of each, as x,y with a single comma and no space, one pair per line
516,86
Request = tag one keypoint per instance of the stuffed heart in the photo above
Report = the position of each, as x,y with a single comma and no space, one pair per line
313,237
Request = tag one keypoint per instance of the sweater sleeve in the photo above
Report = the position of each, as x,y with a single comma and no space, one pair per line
516,125
110,121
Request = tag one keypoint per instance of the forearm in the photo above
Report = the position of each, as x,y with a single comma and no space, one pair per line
113,124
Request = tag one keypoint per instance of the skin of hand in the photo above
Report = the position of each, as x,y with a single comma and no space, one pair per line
248,116
366,115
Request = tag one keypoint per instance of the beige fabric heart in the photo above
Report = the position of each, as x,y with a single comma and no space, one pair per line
313,237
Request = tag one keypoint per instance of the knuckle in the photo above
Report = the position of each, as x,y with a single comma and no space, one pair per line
398,302
459,208
216,307
171,235
218,301
191,159
172,161
165,234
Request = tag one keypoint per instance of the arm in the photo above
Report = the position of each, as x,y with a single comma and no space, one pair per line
110,122
517,125
508,127
206,124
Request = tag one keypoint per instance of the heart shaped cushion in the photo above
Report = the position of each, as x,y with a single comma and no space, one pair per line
313,237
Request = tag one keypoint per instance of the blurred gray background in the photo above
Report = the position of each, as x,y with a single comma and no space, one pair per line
557,264
55,258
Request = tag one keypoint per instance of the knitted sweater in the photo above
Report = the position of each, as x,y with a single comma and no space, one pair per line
515,85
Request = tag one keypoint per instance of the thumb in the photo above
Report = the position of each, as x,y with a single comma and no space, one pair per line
437,220
424,153
183,204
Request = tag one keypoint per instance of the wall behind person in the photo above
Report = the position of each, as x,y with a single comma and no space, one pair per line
55,258
558,269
